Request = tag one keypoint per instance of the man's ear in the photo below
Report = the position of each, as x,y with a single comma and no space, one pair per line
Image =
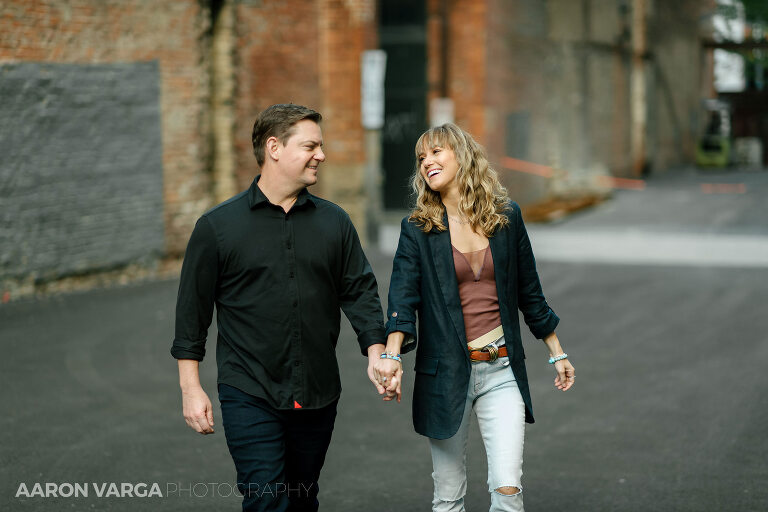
273,148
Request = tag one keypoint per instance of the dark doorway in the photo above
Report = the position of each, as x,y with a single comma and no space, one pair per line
403,35
750,116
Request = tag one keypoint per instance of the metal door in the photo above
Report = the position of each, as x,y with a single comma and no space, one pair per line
403,36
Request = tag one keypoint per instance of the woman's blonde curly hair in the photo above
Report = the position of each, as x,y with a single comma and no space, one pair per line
483,200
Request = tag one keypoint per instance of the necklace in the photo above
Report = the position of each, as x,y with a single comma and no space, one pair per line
458,221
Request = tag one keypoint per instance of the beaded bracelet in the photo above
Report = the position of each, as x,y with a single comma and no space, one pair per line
554,359
394,357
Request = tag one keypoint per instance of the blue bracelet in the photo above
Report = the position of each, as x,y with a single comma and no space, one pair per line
554,359
394,357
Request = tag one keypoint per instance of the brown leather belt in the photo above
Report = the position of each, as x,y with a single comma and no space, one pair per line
485,355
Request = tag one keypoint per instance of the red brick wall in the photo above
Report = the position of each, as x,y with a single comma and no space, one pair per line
467,50
434,50
487,78
307,52
97,31
467,64
346,30
277,62
300,51
342,40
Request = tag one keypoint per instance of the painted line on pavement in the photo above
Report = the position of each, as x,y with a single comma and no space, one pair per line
645,248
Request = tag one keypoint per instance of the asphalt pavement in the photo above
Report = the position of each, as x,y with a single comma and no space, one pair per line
668,412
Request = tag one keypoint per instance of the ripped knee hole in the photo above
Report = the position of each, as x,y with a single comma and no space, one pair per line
508,490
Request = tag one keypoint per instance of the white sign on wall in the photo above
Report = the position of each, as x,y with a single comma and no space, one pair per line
374,65
729,66
440,111
729,72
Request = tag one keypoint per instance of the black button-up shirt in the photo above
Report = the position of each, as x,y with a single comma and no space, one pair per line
278,280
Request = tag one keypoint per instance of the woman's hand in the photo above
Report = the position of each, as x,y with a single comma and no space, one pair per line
566,375
388,374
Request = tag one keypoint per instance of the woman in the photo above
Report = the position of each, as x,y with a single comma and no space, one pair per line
464,263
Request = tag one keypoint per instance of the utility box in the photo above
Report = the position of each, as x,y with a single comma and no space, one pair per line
748,153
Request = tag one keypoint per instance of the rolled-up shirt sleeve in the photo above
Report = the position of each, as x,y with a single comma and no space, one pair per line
197,289
539,317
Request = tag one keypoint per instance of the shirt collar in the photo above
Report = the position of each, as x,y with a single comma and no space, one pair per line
256,197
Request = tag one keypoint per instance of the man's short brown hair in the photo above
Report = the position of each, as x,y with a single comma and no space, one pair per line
278,121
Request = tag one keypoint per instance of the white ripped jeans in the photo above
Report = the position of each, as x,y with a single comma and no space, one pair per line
500,411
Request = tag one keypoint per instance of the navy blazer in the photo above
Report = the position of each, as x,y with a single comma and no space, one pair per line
424,282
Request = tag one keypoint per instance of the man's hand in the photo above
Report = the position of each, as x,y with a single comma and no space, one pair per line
374,353
394,371
198,411
385,374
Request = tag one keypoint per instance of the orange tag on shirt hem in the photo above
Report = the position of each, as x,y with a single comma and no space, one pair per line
296,405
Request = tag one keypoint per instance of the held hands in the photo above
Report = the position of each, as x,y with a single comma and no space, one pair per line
389,374
385,374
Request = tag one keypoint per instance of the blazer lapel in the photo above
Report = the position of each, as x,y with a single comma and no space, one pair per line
501,261
442,256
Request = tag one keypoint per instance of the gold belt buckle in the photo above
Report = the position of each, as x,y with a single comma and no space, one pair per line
493,351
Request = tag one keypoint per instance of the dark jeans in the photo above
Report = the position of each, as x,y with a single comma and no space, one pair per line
278,454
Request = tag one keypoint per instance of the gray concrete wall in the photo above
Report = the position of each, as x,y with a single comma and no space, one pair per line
677,68
567,66
81,171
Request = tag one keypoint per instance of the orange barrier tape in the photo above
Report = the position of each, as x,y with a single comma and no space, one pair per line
545,171
529,167
724,188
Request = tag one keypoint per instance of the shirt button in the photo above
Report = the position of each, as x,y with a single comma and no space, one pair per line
288,245
291,275
295,303
296,363
394,315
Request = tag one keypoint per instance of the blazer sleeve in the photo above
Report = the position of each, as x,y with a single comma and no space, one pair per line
404,296
539,317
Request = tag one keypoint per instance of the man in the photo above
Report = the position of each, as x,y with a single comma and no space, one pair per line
278,263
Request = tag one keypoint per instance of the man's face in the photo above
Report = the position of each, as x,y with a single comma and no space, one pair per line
302,153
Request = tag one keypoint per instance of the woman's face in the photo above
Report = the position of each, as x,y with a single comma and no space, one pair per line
438,166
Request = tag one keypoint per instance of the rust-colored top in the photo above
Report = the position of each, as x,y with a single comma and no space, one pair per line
477,291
